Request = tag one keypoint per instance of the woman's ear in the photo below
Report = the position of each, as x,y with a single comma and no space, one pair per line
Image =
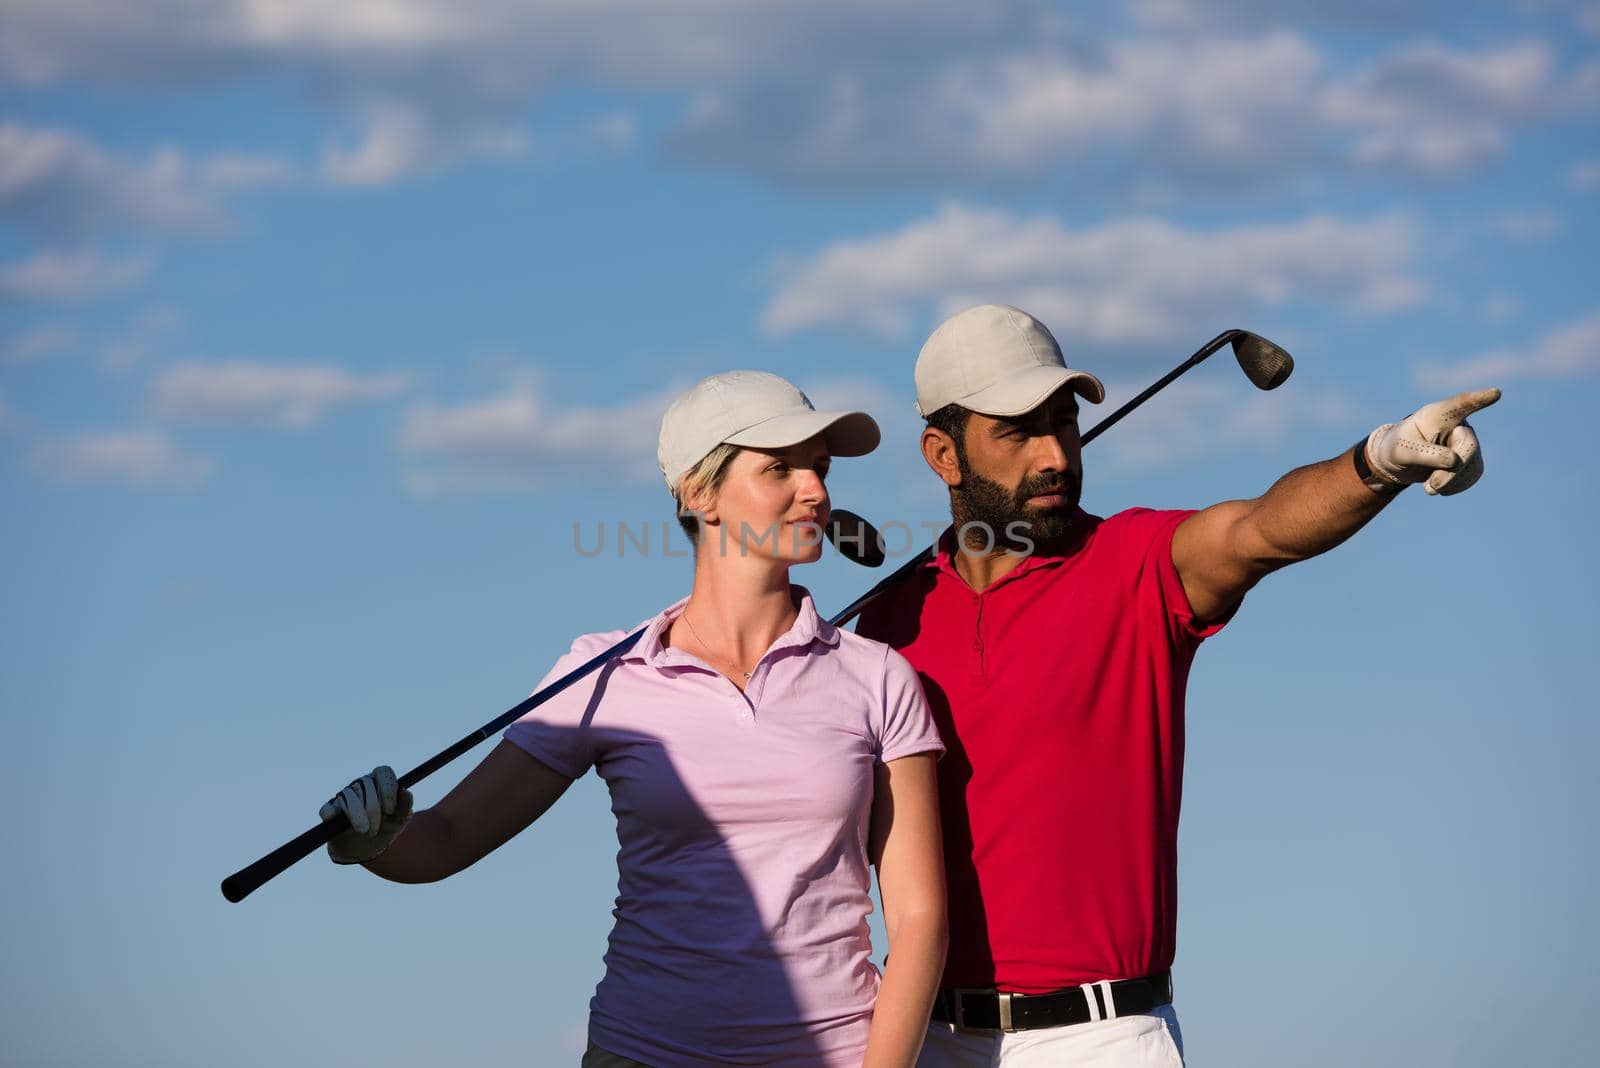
696,501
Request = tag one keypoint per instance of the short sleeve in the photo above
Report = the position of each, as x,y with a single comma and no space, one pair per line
1169,585
558,733
908,726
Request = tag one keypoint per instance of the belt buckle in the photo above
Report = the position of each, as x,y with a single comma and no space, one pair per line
959,1010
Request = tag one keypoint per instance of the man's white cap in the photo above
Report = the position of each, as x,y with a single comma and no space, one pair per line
995,360
755,409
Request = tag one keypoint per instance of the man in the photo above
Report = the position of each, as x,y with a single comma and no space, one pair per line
1054,647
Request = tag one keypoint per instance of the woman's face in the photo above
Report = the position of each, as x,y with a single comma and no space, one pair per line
773,504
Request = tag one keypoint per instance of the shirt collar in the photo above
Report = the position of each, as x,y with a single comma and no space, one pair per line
944,558
808,626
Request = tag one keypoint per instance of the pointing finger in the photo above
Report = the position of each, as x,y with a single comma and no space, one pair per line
1439,418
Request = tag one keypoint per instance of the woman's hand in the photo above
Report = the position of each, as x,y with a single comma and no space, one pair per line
377,808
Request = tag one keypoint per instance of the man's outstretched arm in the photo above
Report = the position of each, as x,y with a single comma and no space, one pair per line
1224,550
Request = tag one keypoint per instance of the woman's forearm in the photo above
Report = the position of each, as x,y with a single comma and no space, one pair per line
421,853
905,997
497,800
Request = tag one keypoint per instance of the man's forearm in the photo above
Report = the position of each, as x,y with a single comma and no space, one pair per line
1224,550
1309,511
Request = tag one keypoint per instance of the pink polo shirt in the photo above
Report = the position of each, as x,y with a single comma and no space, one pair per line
743,881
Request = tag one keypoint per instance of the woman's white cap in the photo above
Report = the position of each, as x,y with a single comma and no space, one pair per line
755,409
995,360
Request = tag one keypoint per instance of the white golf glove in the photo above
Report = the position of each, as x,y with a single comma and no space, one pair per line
1433,444
377,809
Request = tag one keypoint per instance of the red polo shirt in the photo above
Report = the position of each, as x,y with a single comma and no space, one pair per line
1059,694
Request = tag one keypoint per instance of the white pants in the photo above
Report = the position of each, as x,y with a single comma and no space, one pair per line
1144,1041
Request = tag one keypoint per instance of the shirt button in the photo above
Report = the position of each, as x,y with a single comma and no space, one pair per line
977,647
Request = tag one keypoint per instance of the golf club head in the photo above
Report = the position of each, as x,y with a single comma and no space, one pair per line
855,538
1266,365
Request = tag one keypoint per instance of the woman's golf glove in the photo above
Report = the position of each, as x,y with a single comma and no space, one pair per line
1434,444
377,809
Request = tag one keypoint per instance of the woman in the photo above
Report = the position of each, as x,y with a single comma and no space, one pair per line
758,760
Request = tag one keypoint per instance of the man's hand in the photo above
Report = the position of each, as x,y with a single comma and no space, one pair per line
377,809
1434,445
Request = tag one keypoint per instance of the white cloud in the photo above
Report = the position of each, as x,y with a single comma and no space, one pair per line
1128,281
1567,351
134,342
1584,175
38,343
133,458
426,86
1212,415
1202,106
1193,16
396,140
615,130
482,47
56,181
1106,114
1229,111
836,91
1531,224
516,439
70,276
265,394
1501,308
1435,109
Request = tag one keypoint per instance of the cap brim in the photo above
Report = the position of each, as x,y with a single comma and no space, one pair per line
847,433
1025,390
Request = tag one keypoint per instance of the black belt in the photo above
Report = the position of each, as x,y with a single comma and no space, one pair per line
991,1011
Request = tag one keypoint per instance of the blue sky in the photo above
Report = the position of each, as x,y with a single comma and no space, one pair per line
320,329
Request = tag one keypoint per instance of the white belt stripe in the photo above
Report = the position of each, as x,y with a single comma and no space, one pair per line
1111,1008
1089,999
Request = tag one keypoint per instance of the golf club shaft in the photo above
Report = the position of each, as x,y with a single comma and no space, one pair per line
240,884
855,607
1166,380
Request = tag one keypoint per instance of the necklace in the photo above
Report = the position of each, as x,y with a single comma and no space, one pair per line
685,617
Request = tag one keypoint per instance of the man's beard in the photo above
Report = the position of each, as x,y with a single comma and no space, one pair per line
985,501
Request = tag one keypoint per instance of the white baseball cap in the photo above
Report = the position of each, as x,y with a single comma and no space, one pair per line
754,409
995,360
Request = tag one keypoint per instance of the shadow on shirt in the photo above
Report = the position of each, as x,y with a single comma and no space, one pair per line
692,975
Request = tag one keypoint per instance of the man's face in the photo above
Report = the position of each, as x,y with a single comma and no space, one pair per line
1023,469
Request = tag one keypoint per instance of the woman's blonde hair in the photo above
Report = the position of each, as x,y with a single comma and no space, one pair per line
704,477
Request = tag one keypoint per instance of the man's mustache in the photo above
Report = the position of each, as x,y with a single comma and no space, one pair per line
1066,485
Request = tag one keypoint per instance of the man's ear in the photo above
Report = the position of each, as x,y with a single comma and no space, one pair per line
939,450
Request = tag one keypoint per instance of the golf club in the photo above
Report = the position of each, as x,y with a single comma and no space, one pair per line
854,538
1266,365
